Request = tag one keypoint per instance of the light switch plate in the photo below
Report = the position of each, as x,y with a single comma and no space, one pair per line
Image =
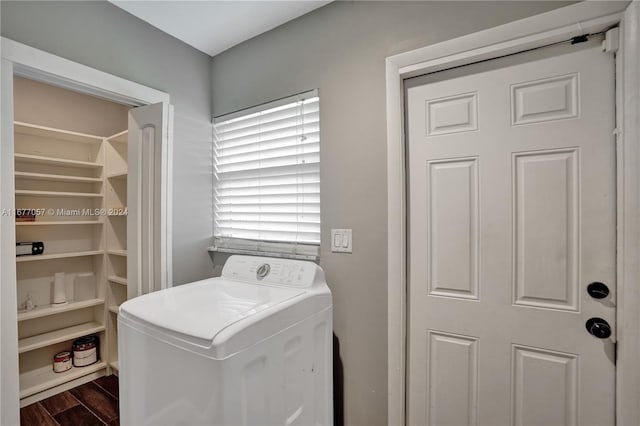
341,241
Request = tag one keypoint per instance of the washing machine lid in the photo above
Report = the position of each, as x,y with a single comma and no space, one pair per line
199,311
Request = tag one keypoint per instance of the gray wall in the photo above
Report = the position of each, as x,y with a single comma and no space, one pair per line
102,36
340,49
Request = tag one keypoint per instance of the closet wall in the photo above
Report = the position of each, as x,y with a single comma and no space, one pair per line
71,168
50,106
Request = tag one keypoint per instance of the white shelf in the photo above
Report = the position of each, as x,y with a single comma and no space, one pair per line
39,380
122,137
117,280
57,194
46,310
119,209
118,176
51,133
58,166
56,178
53,161
42,340
33,258
60,222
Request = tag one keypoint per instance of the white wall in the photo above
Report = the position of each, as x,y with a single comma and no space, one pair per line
103,36
340,49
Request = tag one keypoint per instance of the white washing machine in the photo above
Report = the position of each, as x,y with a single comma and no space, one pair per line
252,347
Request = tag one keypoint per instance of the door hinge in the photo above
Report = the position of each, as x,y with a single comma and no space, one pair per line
615,353
617,135
611,41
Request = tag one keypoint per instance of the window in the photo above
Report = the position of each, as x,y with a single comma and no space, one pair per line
267,179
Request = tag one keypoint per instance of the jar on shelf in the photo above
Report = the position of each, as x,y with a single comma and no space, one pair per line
85,351
62,362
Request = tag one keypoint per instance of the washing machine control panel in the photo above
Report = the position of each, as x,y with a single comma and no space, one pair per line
291,273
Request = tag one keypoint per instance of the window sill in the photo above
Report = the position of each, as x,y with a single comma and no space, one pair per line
214,249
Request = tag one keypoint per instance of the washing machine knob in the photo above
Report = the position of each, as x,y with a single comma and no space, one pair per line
263,271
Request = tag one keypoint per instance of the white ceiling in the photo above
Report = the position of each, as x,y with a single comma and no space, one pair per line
213,26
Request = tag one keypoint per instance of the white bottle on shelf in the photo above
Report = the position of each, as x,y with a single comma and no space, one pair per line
59,294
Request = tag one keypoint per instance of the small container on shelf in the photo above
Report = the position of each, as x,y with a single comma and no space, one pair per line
84,286
28,304
30,248
85,351
25,215
62,362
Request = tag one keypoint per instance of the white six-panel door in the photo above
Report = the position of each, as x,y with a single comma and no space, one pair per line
511,174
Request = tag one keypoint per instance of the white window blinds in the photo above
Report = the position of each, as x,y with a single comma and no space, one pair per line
267,178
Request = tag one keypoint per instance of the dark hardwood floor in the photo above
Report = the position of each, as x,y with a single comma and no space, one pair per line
94,403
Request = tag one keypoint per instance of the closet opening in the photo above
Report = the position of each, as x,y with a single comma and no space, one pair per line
71,214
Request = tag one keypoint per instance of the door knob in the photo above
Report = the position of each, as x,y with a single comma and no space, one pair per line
598,290
598,327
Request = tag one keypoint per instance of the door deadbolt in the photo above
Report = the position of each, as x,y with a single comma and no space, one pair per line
598,290
598,327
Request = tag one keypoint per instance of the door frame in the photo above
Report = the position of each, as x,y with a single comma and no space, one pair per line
25,61
536,31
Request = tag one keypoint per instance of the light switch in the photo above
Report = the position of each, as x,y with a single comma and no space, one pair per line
337,240
341,241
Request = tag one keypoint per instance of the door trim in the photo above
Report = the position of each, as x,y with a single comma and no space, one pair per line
536,31
20,59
